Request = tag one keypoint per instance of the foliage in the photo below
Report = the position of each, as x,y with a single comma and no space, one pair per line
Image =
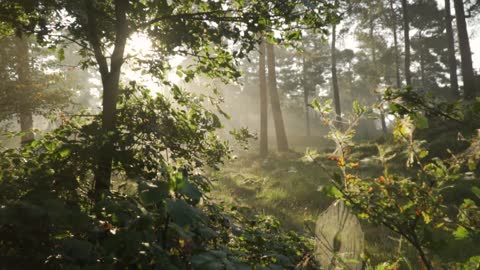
411,204
156,217
29,81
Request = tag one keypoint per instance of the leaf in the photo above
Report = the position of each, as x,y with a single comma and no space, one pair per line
153,195
65,152
61,54
191,191
182,213
476,191
332,191
207,261
472,165
426,217
423,154
78,249
460,233
421,121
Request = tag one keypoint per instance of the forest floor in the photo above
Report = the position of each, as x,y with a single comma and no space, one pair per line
288,188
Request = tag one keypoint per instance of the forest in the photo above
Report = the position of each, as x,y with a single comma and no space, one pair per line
240,134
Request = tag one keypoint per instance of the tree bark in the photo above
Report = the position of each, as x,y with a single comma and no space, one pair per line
452,61
305,97
465,52
395,44
375,66
422,62
406,33
335,89
25,113
282,143
110,82
263,102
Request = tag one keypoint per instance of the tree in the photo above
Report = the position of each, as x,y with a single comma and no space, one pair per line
465,52
24,83
202,29
263,102
452,60
429,46
306,94
335,89
29,87
395,43
406,34
282,143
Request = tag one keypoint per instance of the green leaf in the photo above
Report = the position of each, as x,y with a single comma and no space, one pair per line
421,121
423,154
206,261
182,213
65,152
191,191
61,54
153,195
476,191
332,191
460,233
78,249
472,164
426,217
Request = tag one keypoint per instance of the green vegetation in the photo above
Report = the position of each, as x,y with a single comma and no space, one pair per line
129,127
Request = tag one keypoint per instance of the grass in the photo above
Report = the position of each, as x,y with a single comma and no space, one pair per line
290,189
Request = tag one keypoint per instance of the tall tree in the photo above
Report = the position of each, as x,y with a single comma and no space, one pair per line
30,85
306,93
335,88
24,84
110,74
263,102
282,143
452,60
465,52
406,34
103,28
395,43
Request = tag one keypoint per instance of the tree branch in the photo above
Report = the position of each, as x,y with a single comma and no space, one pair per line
121,35
92,36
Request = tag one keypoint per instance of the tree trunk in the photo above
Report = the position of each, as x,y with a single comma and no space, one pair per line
395,44
25,113
110,82
422,62
335,89
376,73
465,52
263,102
452,61
305,97
282,143
406,33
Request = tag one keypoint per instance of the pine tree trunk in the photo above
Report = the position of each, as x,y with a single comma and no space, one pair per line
335,88
374,61
24,81
395,44
422,63
465,52
282,143
452,61
406,33
263,102
305,97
